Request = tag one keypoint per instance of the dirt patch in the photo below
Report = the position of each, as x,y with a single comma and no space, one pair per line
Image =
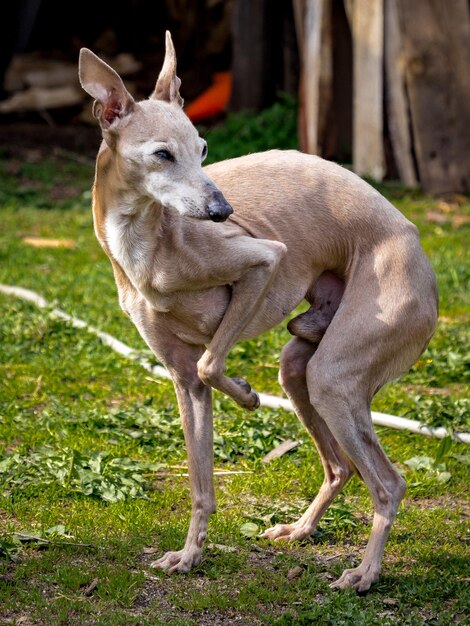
434,391
20,619
157,592
440,502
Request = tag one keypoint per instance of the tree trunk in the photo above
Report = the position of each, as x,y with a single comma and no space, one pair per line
257,54
368,157
397,104
311,68
436,42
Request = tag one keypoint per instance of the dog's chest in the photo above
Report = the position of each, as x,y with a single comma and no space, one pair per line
132,243
136,246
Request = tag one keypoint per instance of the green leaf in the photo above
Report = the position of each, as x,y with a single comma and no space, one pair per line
420,462
444,477
462,458
249,529
99,474
443,450
58,531
9,549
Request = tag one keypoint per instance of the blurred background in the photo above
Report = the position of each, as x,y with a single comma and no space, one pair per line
380,85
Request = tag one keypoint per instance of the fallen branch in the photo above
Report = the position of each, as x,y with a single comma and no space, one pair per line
26,538
280,450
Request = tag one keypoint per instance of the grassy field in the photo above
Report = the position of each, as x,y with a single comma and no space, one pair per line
92,460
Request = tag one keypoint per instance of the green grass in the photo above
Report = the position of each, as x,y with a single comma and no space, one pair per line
92,454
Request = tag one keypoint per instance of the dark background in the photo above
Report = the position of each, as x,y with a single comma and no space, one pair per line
263,44
55,30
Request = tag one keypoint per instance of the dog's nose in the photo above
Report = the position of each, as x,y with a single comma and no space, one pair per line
218,213
219,209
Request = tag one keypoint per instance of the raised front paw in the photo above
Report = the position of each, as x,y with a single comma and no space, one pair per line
249,399
211,372
287,532
181,562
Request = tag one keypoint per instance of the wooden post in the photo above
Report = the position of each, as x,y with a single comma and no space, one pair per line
436,43
256,54
299,15
368,158
326,77
264,53
311,71
313,25
337,136
397,104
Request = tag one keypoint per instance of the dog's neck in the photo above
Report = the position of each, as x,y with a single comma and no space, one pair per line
132,228
126,223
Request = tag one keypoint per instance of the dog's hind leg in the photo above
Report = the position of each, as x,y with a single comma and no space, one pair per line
349,420
341,393
292,375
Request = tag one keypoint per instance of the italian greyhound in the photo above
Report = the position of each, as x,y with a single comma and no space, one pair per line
204,257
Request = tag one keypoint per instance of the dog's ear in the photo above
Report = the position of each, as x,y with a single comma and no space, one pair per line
112,100
168,83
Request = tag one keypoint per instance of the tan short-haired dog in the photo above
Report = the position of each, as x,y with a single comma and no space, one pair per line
196,275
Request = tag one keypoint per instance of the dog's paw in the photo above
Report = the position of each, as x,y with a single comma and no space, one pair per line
360,578
244,384
178,562
287,532
251,399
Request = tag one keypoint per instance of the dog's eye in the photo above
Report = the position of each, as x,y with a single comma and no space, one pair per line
204,152
164,154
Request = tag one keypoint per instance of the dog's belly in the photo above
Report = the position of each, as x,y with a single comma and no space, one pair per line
274,309
194,316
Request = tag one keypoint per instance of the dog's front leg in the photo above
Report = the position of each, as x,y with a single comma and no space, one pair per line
195,405
248,292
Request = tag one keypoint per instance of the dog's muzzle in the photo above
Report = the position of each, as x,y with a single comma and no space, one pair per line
218,208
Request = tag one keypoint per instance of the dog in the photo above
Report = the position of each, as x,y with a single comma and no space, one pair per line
204,257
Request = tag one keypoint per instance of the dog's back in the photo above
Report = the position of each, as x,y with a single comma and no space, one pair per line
274,188
331,219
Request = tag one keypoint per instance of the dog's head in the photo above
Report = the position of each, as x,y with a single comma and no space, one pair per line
157,150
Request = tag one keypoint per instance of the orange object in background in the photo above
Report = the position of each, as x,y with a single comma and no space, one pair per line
213,100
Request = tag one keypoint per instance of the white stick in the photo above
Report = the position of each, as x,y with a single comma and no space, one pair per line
272,402
116,345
